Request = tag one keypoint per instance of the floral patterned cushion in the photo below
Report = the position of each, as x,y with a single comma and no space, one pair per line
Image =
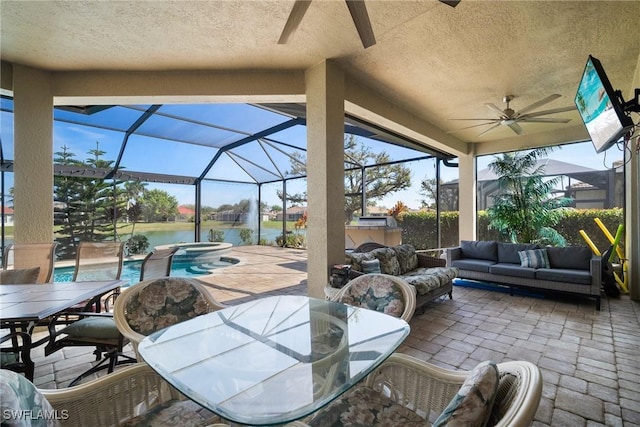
164,302
375,292
365,407
354,259
427,279
471,406
388,260
174,413
407,258
19,394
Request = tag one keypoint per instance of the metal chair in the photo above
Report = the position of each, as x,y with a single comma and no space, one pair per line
17,358
98,261
31,255
157,264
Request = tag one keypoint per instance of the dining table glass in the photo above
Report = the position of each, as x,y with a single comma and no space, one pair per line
274,359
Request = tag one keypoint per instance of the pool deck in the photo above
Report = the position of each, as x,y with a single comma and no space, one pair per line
589,359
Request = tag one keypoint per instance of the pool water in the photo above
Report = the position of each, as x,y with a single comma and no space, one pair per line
131,269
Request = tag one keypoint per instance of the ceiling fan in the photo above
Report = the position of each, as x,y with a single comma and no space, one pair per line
359,14
511,118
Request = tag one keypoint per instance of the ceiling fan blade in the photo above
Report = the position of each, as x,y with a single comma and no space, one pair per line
360,17
539,103
297,13
545,112
473,126
543,120
452,3
516,128
490,120
495,109
491,128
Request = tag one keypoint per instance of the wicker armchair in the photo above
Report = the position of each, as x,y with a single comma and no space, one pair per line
426,390
380,292
134,395
138,314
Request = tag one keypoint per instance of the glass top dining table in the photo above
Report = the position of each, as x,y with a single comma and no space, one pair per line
275,359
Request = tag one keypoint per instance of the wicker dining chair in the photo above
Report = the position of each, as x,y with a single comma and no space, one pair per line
133,395
137,312
20,256
380,292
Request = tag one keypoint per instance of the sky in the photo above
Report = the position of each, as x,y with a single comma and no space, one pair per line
150,154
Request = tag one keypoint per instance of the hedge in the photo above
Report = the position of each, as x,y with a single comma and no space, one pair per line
419,228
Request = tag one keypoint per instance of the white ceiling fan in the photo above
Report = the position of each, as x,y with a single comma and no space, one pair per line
511,118
359,15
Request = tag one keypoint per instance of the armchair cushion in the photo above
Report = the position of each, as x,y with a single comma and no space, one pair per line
365,406
162,303
20,276
375,292
471,406
19,394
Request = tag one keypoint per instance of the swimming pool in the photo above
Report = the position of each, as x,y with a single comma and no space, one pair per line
131,269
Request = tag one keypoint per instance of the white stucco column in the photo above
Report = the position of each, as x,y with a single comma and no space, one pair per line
325,173
467,196
33,155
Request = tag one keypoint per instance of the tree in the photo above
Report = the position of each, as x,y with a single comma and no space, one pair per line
524,211
89,206
133,191
158,205
380,181
448,200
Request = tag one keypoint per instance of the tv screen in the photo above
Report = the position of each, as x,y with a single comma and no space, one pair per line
600,108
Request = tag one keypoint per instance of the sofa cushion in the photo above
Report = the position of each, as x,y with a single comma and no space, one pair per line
507,269
354,259
508,252
581,277
570,257
534,258
481,265
407,257
388,260
370,266
471,406
480,249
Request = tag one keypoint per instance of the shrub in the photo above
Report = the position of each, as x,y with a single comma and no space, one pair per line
137,244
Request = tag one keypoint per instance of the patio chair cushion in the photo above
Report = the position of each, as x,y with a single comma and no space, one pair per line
164,302
174,413
355,259
19,394
471,406
20,276
365,406
94,327
375,293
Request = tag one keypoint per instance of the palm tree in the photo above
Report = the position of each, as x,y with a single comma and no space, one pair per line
524,211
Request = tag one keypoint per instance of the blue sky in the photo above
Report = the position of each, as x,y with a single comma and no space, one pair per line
149,154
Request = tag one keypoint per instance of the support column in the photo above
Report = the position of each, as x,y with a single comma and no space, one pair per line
325,173
33,155
467,198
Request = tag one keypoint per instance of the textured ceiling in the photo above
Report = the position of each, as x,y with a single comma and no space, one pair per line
435,61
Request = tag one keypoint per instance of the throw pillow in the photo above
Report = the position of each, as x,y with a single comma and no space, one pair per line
535,258
21,276
372,266
471,406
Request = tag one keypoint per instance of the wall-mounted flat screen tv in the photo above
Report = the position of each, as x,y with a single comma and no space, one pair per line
600,107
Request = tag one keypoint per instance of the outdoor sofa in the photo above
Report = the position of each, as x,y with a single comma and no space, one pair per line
570,269
429,275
